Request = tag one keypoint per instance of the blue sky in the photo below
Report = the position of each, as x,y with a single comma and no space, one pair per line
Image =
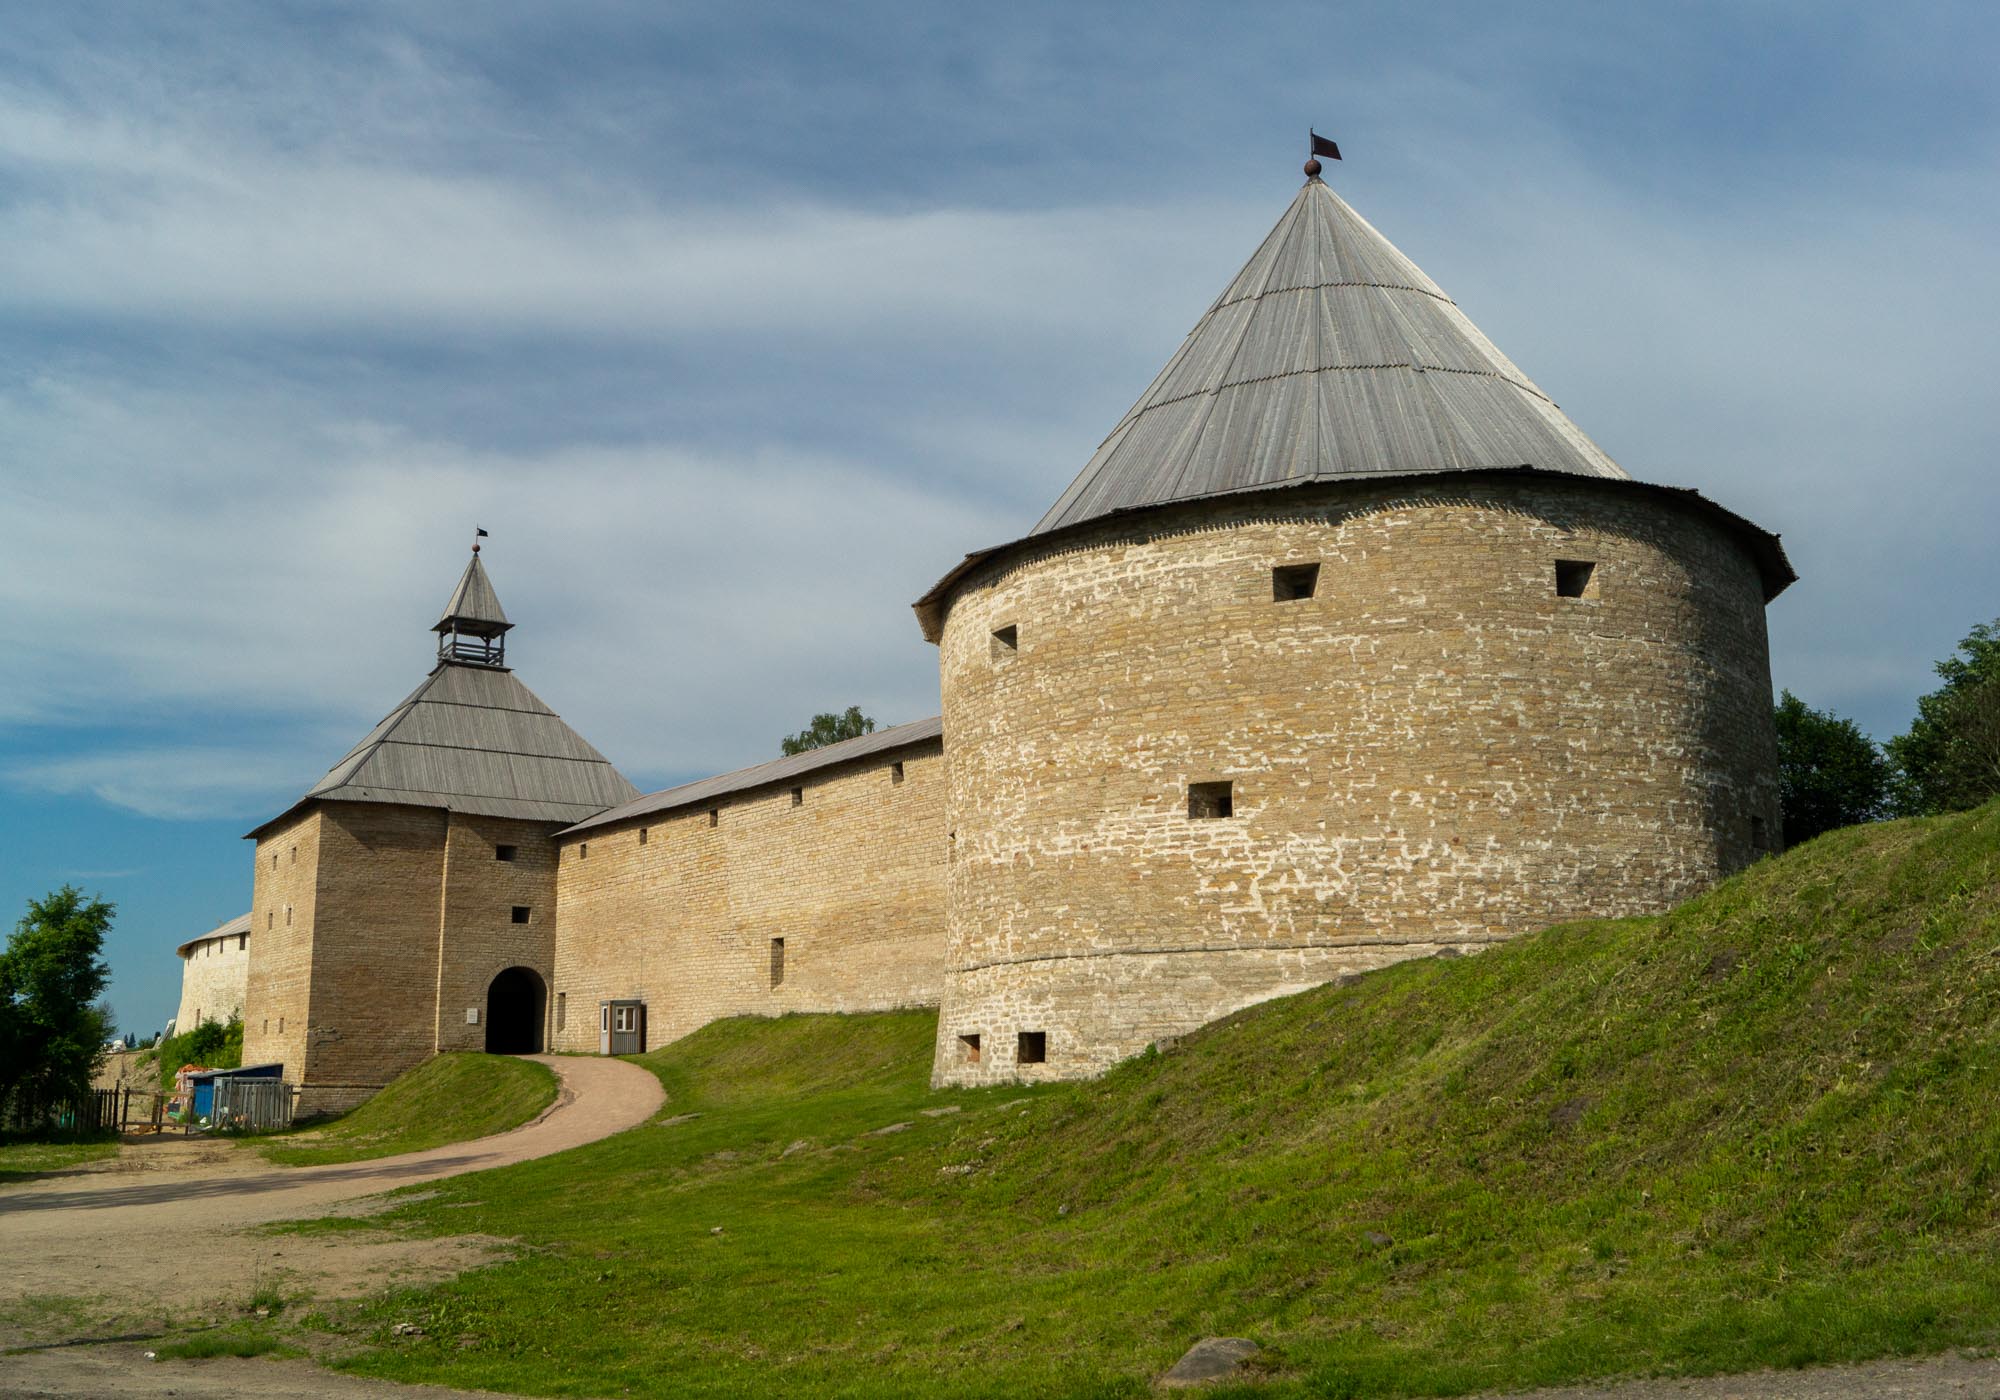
738,325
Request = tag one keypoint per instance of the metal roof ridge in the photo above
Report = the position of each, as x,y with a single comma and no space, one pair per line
770,771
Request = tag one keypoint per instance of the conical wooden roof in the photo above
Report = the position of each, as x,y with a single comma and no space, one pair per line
474,739
1330,355
474,607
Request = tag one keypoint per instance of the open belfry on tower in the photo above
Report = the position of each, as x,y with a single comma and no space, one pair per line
1345,647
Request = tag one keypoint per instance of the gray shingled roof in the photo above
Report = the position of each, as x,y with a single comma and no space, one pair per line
1330,355
474,602
239,924
474,739
769,774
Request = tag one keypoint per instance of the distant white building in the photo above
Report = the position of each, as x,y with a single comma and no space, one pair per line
215,969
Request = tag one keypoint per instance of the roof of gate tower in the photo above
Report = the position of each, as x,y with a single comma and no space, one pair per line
1331,355
473,739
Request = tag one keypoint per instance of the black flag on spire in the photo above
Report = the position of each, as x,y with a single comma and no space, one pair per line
1322,146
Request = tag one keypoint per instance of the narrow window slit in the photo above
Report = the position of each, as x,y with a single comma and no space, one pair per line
1574,578
1211,801
1290,582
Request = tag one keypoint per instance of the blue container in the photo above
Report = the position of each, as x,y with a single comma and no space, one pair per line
203,1084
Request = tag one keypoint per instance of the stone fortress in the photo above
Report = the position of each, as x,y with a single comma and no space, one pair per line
1346,647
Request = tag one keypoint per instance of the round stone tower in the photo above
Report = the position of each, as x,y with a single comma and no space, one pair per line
1346,647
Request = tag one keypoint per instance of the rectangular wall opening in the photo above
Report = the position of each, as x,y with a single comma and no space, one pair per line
562,1009
798,797
520,913
1006,641
1290,582
895,772
1210,801
1759,838
968,1049
714,816
1576,578
1031,1048
777,961
644,833
504,852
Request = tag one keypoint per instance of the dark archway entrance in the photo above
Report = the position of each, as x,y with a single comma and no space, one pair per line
515,1001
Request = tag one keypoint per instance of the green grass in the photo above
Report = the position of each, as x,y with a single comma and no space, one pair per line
1760,1130
204,1346
24,1161
451,1098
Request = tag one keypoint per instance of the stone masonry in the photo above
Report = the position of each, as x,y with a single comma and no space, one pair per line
1436,749
215,973
680,908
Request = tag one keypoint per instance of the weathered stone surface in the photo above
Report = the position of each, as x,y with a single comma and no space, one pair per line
215,974
1433,752
851,878
1210,1359
375,928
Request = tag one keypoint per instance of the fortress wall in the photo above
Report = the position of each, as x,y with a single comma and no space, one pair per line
277,994
479,937
851,879
374,943
1435,749
214,976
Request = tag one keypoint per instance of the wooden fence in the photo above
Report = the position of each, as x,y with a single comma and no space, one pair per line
240,1105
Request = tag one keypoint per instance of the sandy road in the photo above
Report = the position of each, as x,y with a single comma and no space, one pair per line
168,1220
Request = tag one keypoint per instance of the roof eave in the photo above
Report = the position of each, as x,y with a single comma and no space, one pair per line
859,749
1773,567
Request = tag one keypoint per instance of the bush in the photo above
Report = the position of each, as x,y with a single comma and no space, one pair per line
212,1045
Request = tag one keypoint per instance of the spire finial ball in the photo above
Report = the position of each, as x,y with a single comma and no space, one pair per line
1312,168
475,549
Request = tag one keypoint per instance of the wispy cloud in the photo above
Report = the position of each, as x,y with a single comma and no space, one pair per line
166,782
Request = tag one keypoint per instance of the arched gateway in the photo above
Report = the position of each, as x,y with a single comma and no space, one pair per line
515,1004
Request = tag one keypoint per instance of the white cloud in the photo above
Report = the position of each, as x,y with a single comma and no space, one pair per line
163,782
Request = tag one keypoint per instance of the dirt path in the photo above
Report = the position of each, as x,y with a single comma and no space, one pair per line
94,1252
119,1372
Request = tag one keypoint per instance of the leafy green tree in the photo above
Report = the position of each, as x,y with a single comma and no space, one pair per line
1830,774
52,1031
830,729
211,1044
1950,758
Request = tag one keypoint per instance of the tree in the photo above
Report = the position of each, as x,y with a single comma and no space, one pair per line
1829,773
830,729
52,1033
1950,758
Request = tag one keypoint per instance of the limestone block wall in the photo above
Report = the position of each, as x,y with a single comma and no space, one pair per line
1435,749
478,938
277,994
679,909
215,974
375,946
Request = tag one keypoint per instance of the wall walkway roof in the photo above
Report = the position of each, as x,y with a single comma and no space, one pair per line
239,924
796,765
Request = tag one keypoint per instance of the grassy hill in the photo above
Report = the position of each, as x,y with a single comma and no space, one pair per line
1759,1130
446,1099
